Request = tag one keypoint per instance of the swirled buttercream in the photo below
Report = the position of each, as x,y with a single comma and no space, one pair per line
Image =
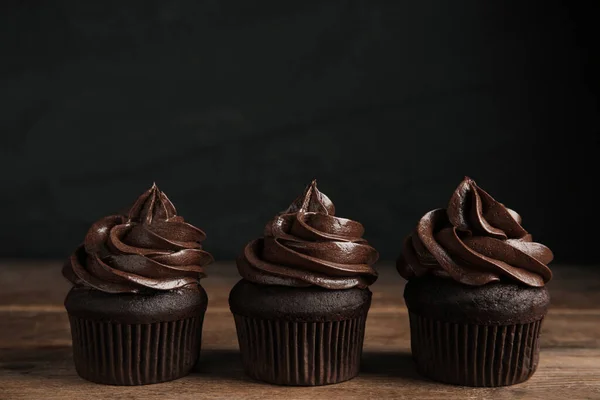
150,249
307,245
475,240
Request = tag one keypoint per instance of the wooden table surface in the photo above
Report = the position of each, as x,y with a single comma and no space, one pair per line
35,346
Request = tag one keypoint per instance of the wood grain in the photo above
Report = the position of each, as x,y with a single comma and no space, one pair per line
35,352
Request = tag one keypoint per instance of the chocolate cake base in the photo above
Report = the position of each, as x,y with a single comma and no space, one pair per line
134,339
475,336
299,336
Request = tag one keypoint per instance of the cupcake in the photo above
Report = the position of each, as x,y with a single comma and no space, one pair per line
476,292
301,307
136,307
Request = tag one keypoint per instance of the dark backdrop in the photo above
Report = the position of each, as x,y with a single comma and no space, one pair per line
232,108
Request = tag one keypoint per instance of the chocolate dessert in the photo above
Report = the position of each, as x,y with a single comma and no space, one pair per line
301,307
476,292
136,307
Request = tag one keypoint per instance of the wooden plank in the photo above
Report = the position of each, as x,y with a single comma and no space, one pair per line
35,352
27,285
386,329
50,375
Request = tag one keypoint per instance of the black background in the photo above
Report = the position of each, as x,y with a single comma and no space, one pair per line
232,108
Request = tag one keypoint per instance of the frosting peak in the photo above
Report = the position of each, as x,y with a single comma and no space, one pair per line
473,209
308,245
152,249
152,205
475,240
311,201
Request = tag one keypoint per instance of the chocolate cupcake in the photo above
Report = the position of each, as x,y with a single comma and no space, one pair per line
476,292
301,307
136,307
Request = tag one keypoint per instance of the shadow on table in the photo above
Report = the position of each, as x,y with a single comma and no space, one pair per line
390,364
23,359
43,362
220,364
227,364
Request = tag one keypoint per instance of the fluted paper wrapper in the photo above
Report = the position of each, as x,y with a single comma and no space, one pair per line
475,355
300,353
135,354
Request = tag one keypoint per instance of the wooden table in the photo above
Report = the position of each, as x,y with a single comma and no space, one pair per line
35,346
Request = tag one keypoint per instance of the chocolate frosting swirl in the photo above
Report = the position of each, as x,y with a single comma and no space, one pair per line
475,241
306,245
150,249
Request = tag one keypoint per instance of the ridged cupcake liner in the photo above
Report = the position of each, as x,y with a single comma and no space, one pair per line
300,353
135,354
475,355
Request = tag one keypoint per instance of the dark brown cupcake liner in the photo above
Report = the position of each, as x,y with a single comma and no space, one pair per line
135,354
300,353
475,355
